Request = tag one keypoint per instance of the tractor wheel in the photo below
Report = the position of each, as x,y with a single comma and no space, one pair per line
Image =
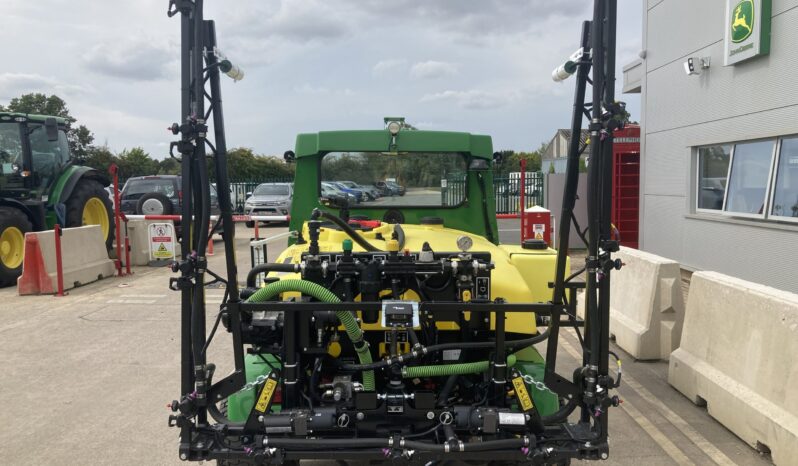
154,204
13,226
89,205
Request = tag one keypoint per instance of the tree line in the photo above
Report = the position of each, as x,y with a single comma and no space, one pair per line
243,163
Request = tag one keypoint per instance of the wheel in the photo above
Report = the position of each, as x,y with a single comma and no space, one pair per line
13,226
250,224
154,204
89,205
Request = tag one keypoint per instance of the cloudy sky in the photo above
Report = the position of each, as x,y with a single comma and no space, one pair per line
482,66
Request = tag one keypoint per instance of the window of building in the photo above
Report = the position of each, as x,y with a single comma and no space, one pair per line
785,188
750,179
713,168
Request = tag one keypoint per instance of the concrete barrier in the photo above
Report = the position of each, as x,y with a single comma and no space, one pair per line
739,355
138,232
646,305
83,254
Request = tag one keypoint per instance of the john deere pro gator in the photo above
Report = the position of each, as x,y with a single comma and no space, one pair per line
394,328
40,186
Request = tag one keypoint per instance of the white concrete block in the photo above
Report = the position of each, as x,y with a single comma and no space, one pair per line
646,305
739,355
83,254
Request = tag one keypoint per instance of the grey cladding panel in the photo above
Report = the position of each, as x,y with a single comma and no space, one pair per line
678,27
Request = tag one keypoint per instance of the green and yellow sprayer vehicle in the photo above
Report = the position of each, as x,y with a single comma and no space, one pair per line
40,186
394,328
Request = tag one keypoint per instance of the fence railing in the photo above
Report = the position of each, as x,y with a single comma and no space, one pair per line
507,191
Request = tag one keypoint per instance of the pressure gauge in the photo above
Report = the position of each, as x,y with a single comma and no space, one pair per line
464,243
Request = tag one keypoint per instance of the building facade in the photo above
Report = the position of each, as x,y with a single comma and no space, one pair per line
719,171
556,153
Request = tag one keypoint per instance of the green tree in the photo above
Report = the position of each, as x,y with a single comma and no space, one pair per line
169,166
244,165
136,162
80,138
99,157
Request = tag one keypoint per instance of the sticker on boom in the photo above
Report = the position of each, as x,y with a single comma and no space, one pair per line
266,395
523,395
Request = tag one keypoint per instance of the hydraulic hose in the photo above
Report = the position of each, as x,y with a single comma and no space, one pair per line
450,369
316,443
346,229
269,267
407,357
323,294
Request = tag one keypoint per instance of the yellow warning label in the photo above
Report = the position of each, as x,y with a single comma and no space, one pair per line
266,395
523,395
538,235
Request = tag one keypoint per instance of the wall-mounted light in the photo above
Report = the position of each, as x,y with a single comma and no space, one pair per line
693,66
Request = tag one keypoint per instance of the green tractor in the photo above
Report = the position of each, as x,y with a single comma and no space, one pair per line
40,187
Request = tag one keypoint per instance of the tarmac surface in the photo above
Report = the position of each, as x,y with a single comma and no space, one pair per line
88,376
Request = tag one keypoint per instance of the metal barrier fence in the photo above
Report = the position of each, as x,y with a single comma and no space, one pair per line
507,190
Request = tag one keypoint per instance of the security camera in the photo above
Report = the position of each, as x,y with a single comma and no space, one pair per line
690,68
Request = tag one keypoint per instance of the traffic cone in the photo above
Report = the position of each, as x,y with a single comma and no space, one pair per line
34,278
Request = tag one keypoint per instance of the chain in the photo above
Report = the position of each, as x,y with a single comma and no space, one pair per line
254,383
538,384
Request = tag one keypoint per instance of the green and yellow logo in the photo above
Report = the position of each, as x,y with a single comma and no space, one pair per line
742,22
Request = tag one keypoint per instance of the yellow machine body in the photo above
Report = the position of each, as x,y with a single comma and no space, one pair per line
520,275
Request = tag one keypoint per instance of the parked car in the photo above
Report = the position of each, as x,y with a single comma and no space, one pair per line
390,188
370,192
356,192
335,197
350,197
157,195
269,199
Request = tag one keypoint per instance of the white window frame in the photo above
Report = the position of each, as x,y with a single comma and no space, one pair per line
697,188
771,191
768,185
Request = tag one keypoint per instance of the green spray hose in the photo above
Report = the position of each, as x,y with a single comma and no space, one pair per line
477,367
323,294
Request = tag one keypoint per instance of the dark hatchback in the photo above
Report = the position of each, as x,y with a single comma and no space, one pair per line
156,195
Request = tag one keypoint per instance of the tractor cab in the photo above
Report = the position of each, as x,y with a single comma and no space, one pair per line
33,150
397,175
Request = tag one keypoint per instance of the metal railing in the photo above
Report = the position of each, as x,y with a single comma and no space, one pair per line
239,190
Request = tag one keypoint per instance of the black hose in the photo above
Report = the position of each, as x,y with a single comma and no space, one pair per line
346,229
324,443
269,267
503,444
407,357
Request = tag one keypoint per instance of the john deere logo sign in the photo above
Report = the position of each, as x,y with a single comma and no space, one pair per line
743,20
747,29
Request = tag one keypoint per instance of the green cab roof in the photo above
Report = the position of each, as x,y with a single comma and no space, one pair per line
309,144
11,116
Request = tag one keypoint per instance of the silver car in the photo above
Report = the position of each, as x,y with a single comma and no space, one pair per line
269,199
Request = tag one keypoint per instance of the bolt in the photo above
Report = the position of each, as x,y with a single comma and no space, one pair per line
260,418
604,455
430,415
361,416
527,417
183,456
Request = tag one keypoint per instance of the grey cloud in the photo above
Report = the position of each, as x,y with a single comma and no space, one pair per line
386,66
471,99
295,21
15,84
433,69
137,59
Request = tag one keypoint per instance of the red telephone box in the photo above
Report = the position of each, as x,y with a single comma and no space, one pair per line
626,184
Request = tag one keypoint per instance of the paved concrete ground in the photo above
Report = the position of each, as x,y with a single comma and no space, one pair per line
87,378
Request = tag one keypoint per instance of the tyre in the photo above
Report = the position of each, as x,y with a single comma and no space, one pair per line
13,226
250,224
154,204
89,205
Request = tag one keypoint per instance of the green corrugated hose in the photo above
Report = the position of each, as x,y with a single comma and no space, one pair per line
451,369
323,294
